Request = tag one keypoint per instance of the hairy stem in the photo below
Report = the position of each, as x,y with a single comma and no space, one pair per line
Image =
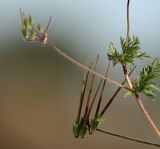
52,45
146,114
138,99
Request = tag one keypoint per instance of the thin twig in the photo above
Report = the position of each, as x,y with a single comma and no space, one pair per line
48,25
90,108
90,92
83,90
52,45
128,25
114,95
129,138
102,91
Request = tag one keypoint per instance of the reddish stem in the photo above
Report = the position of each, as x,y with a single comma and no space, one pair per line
146,114
138,99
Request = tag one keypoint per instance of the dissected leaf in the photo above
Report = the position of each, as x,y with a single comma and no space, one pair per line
129,54
147,79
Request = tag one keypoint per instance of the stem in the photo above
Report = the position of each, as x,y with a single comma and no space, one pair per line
129,138
83,89
89,111
101,95
114,95
137,97
90,92
146,114
127,76
45,31
52,45
128,25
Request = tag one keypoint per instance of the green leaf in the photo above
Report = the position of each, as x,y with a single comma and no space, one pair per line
128,93
113,55
155,87
129,54
149,93
146,81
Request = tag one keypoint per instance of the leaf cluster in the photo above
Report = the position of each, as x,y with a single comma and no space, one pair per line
146,82
128,54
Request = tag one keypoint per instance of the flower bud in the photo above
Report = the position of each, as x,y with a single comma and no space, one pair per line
26,23
40,29
33,34
25,33
30,21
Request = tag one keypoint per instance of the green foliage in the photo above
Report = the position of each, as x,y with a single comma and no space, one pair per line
146,82
127,56
114,55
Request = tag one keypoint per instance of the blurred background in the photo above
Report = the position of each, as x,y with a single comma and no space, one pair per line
40,90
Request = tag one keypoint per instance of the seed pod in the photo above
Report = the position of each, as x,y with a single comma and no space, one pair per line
95,123
33,34
25,33
76,127
82,130
30,21
26,23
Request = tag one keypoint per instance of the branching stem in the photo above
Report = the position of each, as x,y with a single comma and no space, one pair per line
102,91
52,45
86,118
114,95
137,97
